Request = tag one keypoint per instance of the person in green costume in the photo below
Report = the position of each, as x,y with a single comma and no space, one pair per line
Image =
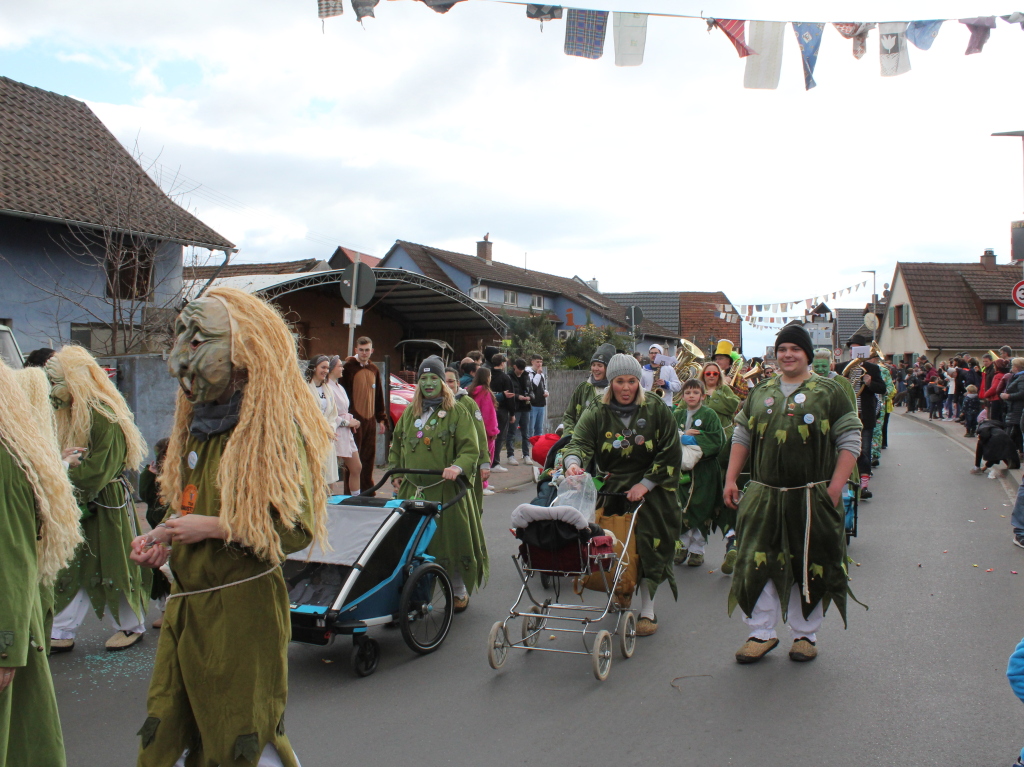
244,486
633,441
721,398
701,495
93,415
878,358
39,517
802,435
434,433
462,399
589,391
823,365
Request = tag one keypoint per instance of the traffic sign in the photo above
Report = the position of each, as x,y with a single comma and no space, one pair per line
634,316
366,284
838,352
1018,294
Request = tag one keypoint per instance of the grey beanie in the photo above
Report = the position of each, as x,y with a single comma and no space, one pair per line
603,353
623,365
432,364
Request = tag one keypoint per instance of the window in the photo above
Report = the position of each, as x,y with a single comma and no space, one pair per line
1000,313
511,298
81,335
537,302
129,273
478,293
899,316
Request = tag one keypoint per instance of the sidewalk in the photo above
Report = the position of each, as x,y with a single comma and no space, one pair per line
954,431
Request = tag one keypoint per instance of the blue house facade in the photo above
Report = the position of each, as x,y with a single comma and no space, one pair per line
91,249
503,288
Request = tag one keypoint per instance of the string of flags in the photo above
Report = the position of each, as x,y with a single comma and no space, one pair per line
778,313
586,32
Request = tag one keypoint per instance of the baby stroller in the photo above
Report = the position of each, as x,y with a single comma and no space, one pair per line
557,541
378,573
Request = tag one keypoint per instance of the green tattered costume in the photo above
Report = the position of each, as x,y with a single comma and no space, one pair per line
101,564
220,679
792,443
465,401
449,438
30,734
701,497
647,449
724,401
583,396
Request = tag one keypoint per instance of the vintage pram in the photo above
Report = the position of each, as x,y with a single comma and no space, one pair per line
557,542
378,573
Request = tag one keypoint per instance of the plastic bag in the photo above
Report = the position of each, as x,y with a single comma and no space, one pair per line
579,492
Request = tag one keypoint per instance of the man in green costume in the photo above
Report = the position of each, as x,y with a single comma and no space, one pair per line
39,519
802,435
633,441
589,391
241,496
437,434
700,494
823,365
92,414
462,399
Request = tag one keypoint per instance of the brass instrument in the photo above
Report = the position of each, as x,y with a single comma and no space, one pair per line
689,364
734,369
754,372
854,372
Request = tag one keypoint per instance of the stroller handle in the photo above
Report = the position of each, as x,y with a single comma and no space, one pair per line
460,481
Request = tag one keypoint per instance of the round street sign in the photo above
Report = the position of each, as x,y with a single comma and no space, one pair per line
1018,294
838,352
366,284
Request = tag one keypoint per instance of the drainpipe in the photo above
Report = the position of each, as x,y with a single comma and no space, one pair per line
216,274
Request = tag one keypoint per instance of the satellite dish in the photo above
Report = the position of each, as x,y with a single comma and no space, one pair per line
871,322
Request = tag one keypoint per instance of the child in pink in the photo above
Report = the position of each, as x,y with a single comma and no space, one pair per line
480,390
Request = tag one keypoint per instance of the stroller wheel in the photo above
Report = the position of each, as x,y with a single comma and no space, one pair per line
365,656
425,610
532,626
497,645
545,580
601,655
627,635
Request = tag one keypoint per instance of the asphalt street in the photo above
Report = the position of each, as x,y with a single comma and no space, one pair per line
918,679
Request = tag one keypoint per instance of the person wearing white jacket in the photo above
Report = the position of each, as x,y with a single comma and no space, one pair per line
661,379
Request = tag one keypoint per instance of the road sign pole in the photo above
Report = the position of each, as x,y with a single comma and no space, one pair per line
352,305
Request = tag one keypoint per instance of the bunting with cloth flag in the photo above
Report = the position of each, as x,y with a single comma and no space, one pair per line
585,32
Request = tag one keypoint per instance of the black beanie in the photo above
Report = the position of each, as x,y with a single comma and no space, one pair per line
490,351
603,354
432,364
795,334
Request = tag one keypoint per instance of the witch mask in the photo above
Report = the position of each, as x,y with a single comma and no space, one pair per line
201,357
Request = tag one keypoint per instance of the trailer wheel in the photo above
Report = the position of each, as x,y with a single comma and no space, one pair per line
365,656
425,609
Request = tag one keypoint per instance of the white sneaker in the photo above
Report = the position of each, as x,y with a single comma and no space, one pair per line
527,460
488,491
498,467
511,461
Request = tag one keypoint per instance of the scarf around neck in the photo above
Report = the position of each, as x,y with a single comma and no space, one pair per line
431,404
210,419
598,384
623,411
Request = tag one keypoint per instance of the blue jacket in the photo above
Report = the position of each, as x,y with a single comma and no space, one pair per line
1015,671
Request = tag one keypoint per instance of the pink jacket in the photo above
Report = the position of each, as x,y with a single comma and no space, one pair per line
485,401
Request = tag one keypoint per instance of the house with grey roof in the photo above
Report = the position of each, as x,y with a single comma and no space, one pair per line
91,248
568,302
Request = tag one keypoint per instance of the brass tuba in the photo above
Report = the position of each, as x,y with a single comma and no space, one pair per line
689,364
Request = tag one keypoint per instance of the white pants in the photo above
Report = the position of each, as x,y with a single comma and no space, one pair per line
67,621
693,541
768,612
458,584
269,758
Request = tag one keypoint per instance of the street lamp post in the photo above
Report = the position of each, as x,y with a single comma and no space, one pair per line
1019,134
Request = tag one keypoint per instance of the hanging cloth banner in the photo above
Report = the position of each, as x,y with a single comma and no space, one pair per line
892,46
440,6
981,28
364,8
808,35
762,72
1014,18
328,9
733,29
923,33
629,31
584,33
856,31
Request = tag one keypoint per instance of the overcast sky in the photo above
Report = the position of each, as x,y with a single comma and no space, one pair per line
290,139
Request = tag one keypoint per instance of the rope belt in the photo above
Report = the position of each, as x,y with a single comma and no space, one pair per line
418,495
807,526
222,586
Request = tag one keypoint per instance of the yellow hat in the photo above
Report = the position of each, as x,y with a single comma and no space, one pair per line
724,347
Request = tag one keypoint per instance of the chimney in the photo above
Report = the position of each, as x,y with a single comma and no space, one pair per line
593,284
483,248
988,259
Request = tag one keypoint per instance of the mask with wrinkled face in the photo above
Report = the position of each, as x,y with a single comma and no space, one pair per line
201,357
821,366
430,385
60,396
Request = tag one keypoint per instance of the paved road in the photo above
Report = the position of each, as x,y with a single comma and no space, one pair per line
916,680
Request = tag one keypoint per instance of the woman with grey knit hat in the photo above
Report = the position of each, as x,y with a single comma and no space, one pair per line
590,391
633,442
